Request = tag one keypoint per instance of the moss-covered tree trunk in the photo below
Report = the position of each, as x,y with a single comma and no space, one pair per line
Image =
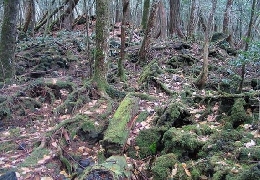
119,126
148,32
102,35
8,38
121,74
145,14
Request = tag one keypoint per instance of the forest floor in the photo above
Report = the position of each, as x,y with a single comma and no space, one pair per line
179,132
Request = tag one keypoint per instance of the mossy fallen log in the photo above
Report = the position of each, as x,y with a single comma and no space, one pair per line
119,126
115,167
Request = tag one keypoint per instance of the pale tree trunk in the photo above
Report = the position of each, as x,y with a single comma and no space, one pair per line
102,35
203,77
8,39
148,33
193,19
29,16
121,74
145,14
249,37
160,29
174,24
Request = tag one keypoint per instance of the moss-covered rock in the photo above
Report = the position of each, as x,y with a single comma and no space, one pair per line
238,114
185,144
149,73
173,115
148,141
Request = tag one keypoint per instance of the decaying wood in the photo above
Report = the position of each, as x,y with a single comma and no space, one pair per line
118,130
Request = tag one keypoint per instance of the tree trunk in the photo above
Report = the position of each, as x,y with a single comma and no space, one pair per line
192,21
249,37
160,29
203,77
102,35
174,24
8,39
148,33
145,14
29,16
66,17
121,74
227,17
49,15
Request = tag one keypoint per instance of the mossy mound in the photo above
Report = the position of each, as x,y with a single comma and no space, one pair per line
148,142
149,73
173,115
163,165
238,114
185,144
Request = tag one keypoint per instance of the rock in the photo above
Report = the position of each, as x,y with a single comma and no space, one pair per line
9,176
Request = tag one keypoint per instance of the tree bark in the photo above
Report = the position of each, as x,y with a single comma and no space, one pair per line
148,33
8,39
102,35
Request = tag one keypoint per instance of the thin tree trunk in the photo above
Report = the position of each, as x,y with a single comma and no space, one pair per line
145,14
102,28
148,33
249,37
29,16
67,14
227,17
121,74
192,21
203,77
8,38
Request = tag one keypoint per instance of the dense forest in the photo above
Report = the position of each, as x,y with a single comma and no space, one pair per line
130,89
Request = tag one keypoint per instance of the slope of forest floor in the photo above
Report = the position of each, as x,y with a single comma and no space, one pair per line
52,120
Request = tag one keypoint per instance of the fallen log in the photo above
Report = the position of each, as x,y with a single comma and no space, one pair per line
115,167
119,126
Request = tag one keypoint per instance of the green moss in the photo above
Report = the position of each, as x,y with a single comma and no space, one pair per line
117,129
163,166
150,71
34,157
7,146
173,115
246,155
147,141
179,140
142,116
199,129
238,113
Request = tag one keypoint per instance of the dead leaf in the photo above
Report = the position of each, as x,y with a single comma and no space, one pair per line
186,170
174,170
